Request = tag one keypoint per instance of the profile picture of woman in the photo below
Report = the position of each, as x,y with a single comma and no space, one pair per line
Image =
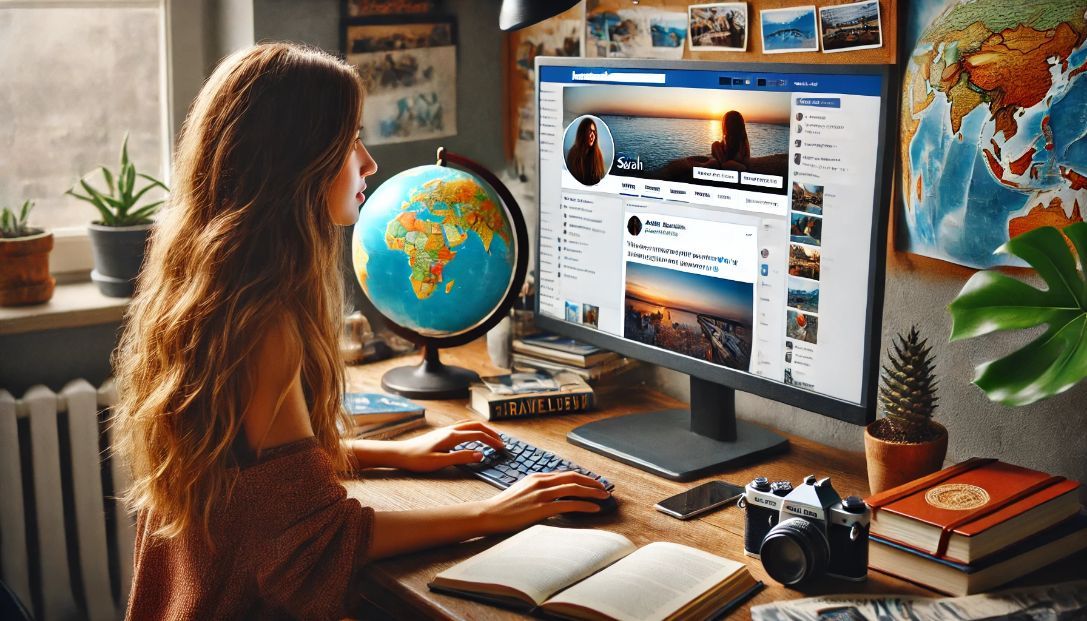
634,225
589,149
733,150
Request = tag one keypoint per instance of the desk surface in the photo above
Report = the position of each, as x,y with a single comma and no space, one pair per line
399,584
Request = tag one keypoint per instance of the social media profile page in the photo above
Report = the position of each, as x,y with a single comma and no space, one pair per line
757,262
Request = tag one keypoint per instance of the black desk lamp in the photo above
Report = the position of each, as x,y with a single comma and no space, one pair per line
516,14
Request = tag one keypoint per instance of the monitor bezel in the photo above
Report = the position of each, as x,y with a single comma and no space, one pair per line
859,414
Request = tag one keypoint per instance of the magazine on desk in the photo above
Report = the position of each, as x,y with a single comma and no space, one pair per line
570,573
1067,600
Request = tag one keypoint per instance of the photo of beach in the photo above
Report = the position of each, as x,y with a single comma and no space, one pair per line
851,26
665,133
695,315
805,229
804,294
720,27
807,198
802,327
804,261
789,30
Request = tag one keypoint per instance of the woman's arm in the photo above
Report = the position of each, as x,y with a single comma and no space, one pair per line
425,453
532,499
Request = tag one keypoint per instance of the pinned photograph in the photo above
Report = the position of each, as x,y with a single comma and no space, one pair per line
634,32
789,30
718,27
848,27
408,70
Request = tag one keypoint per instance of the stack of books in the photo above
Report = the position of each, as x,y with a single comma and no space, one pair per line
533,393
548,352
378,416
975,526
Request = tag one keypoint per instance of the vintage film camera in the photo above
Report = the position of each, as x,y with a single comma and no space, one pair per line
802,533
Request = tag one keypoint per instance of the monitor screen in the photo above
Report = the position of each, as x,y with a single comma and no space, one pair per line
724,220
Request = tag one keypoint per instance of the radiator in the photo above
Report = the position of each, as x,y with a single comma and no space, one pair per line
65,542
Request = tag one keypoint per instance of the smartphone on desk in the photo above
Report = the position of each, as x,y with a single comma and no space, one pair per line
699,499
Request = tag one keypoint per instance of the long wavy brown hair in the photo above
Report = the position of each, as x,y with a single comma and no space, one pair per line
245,241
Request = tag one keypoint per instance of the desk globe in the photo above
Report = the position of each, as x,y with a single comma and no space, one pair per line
441,253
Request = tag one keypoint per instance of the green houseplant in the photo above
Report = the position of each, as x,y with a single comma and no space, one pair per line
906,443
991,301
24,259
119,237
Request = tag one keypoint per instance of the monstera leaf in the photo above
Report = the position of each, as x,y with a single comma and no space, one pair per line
992,301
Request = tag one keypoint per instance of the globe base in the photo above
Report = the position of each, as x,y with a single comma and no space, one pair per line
430,379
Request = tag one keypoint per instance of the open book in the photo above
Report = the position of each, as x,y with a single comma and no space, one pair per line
595,574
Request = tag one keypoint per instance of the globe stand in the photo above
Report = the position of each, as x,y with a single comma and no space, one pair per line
429,379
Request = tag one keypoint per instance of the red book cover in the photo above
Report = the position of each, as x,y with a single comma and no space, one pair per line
972,496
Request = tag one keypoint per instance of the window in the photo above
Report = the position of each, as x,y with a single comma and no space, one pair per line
78,76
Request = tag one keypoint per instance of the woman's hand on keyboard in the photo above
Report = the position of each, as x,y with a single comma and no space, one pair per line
431,451
534,498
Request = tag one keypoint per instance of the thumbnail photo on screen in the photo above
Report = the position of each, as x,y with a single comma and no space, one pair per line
804,261
806,229
808,198
588,149
802,326
699,316
804,294
666,134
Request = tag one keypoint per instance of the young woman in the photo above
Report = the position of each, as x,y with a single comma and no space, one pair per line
230,375
585,160
732,151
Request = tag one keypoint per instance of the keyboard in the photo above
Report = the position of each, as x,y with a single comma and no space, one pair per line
519,459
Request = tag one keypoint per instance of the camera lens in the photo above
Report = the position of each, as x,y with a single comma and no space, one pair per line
795,551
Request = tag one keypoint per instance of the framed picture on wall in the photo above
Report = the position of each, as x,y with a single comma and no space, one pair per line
370,8
408,67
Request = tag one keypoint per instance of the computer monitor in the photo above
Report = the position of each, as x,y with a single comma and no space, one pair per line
724,220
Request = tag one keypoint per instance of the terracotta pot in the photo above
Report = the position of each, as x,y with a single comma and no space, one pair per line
24,270
891,464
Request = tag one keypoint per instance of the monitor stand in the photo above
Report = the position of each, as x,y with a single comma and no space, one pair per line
682,444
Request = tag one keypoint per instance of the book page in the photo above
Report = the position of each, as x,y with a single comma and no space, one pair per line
651,583
540,561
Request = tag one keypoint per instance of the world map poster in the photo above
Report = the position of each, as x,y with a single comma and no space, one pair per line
993,124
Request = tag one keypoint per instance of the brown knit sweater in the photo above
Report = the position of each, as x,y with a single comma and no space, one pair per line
287,544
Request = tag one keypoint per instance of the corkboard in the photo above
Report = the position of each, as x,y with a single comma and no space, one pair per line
888,12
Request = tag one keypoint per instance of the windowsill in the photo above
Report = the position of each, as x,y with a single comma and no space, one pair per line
73,305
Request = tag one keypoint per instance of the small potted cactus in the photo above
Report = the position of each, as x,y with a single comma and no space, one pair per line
24,259
906,443
119,238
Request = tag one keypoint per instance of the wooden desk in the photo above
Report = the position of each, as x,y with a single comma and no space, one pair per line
399,584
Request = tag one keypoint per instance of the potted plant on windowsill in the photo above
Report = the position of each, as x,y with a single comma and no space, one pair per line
24,259
906,443
119,238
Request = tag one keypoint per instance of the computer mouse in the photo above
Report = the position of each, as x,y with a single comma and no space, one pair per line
607,505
